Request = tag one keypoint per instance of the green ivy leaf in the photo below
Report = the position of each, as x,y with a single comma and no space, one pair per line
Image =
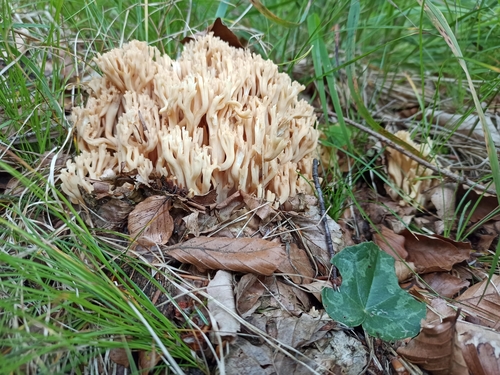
370,295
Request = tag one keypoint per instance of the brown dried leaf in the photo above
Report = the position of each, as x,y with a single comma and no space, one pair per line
227,208
262,208
296,331
392,243
287,297
326,350
220,30
297,265
486,205
205,199
312,232
148,360
404,270
484,310
317,286
120,356
445,284
112,214
435,348
483,239
434,253
246,358
244,255
248,292
480,348
150,222
191,221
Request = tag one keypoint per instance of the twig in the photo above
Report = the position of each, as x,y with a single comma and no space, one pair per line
425,163
328,236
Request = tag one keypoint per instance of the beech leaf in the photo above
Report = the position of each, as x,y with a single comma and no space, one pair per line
150,222
370,295
435,349
245,255
434,253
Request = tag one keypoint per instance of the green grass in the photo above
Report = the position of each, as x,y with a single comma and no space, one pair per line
65,299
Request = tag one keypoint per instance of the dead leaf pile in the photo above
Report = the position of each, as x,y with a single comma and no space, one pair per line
255,262
418,233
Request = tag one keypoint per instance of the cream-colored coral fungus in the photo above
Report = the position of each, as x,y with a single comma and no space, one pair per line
406,175
217,118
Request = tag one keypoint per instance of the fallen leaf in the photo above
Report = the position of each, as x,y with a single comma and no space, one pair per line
447,346
443,198
205,199
390,242
483,238
382,210
220,288
112,214
444,284
435,348
479,347
296,331
484,310
248,292
484,205
221,31
120,356
191,221
224,33
316,287
296,265
148,360
285,296
338,353
312,232
245,358
253,255
434,253
150,222
404,270
261,207
325,350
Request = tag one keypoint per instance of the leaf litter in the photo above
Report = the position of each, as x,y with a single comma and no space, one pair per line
254,261
274,261
443,239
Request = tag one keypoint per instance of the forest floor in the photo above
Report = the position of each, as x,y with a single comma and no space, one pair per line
384,260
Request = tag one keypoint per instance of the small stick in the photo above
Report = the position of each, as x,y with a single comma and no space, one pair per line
421,161
328,236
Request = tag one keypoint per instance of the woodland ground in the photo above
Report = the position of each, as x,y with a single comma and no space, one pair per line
74,300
